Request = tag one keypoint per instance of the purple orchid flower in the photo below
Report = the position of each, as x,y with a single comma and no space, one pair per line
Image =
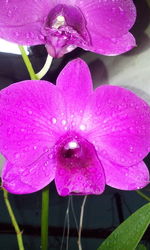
82,139
100,26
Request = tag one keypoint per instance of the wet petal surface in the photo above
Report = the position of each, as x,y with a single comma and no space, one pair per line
76,84
111,46
118,124
110,18
126,178
22,22
31,116
31,178
79,170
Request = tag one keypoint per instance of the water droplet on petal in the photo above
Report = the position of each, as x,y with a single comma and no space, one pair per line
122,160
64,122
54,120
9,13
46,163
113,40
82,127
50,156
22,129
30,112
16,155
131,149
16,34
46,149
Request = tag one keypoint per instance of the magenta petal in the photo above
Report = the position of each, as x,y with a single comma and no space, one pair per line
108,18
31,114
79,170
28,179
126,178
76,84
22,22
16,13
111,46
28,34
118,124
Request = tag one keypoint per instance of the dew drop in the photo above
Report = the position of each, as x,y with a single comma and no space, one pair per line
17,155
73,123
50,156
113,40
22,129
46,149
16,34
140,155
82,127
34,147
131,149
122,160
46,163
54,120
64,122
41,37
31,170
30,112
9,13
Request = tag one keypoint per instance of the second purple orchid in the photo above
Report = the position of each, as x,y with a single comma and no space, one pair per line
62,25
82,139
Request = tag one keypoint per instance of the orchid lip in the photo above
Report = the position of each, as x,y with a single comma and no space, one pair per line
64,30
77,163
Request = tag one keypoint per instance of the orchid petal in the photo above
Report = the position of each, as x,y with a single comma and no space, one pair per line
16,13
111,46
28,34
76,85
78,171
126,178
118,124
31,178
111,18
22,22
30,120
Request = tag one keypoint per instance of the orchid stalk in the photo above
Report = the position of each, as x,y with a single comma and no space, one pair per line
13,220
27,63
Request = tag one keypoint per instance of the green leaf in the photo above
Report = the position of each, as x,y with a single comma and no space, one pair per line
141,247
130,232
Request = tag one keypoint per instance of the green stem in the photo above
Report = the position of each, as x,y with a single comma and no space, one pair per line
44,218
45,68
143,195
28,63
13,220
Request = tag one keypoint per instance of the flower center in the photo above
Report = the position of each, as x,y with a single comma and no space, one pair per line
71,149
65,29
74,152
60,21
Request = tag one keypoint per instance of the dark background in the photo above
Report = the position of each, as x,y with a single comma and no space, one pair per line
102,213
